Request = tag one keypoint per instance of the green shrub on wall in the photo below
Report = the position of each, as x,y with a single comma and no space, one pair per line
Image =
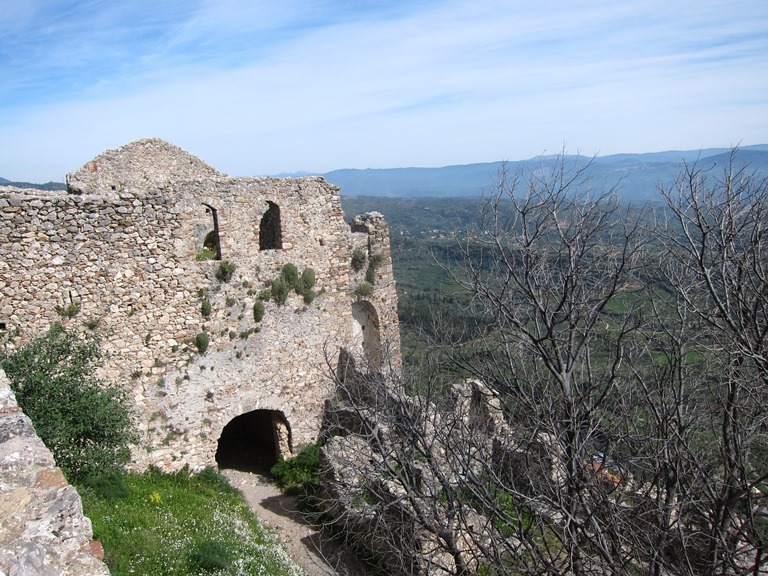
225,271
258,310
358,259
280,291
69,311
308,279
265,294
290,275
85,422
377,260
205,308
201,342
363,290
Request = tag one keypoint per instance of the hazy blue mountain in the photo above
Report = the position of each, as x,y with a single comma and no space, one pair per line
46,186
636,175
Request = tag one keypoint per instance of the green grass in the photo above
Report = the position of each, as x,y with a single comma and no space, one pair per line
179,524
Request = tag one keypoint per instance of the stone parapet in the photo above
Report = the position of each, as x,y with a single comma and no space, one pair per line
43,530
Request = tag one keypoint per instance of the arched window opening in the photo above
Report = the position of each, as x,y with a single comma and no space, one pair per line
270,233
211,242
254,441
366,336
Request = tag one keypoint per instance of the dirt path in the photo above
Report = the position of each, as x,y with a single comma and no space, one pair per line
309,548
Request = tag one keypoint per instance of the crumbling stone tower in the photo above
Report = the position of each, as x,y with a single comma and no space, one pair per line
120,253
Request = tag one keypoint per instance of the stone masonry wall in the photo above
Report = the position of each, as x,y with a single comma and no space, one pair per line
43,530
119,247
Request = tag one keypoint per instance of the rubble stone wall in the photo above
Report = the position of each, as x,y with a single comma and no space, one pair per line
118,253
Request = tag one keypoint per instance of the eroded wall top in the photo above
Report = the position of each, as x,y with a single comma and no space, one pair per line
144,164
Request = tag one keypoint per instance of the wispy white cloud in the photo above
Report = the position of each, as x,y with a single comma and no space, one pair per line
257,86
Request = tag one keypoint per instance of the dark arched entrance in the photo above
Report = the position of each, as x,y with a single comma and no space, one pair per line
254,441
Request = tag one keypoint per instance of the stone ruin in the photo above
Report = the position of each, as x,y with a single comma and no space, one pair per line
131,250
43,529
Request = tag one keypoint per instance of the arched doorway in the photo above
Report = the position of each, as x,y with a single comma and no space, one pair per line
254,441
212,240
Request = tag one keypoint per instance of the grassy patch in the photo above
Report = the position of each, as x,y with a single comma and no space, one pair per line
180,524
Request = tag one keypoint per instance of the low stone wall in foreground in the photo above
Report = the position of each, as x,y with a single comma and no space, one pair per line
42,527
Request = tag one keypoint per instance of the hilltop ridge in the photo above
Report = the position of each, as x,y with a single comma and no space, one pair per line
637,174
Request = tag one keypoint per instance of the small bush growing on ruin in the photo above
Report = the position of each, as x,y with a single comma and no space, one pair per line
225,271
290,275
358,259
252,330
201,342
205,308
376,260
92,323
280,291
370,274
363,290
84,421
258,311
308,279
265,294
69,311
309,296
299,472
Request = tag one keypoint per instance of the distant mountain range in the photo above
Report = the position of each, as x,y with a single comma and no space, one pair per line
46,186
637,175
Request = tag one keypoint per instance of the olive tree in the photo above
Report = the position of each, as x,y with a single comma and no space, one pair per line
84,421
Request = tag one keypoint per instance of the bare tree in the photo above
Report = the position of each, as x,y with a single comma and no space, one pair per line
612,418
716,240
556,280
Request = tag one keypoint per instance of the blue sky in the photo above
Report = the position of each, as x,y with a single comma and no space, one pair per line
255,87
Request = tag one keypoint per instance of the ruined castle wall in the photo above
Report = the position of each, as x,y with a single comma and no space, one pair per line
122,246
112,256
